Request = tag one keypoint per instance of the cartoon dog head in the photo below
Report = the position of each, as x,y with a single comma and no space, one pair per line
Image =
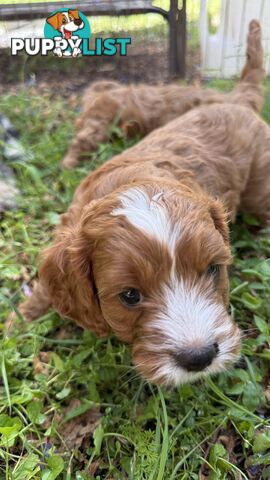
66,22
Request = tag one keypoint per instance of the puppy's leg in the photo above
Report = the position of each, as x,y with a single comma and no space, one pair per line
256,197
97,87
249,91
93,127
33,307
37,304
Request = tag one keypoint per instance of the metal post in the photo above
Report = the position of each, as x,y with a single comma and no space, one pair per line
177,39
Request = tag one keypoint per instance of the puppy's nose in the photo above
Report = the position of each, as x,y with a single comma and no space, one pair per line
197,359
78,22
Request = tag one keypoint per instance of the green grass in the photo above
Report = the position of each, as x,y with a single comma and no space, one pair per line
71,406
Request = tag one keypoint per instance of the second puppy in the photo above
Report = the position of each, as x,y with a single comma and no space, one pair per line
139,109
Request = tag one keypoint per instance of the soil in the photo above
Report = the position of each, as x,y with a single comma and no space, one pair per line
143,63
146,62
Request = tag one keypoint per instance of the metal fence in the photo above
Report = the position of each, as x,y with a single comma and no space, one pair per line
22,19
216,36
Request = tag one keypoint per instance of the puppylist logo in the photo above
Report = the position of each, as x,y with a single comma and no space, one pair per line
67,33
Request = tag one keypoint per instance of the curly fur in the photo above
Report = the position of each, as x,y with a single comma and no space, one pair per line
154,218
140,109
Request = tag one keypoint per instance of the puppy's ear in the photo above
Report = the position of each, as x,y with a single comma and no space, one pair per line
53,20
67,275
130,128
75,13
220,219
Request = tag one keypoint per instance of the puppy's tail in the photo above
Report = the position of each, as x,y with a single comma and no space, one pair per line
250,91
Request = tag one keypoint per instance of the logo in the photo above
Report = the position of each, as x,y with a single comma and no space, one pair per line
67,28
67,33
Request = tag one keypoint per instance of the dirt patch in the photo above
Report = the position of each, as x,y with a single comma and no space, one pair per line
147,63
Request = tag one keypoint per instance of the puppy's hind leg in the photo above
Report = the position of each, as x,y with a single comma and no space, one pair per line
249,91
93,127
256,197
253,71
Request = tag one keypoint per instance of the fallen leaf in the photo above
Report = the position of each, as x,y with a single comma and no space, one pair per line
93,468
76,430
41,363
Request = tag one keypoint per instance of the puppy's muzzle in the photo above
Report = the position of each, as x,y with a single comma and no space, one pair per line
197,359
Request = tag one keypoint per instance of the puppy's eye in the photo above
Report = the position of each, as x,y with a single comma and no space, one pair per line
130,297
213,270
70,18
64,20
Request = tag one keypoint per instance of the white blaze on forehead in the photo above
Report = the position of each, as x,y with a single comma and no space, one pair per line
149,215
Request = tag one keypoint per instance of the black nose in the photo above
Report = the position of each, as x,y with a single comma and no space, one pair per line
195,360
78,22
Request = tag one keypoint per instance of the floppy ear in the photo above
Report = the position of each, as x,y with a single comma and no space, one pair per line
131,122
131,128
53,21
220,219
67,276
75,13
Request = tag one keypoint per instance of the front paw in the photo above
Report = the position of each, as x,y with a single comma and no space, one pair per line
12,320
69,161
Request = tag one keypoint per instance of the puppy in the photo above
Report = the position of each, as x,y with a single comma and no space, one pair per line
144,248
139,109
66,23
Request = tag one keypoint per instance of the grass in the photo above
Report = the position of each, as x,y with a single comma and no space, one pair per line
71,406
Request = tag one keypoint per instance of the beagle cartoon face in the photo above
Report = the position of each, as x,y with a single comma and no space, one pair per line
66,22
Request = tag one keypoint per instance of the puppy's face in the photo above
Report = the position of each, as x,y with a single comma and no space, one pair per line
159,260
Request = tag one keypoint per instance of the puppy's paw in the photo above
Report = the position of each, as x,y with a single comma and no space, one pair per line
69,161
12,320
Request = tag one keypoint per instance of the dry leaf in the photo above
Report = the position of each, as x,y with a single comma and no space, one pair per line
76,430
41,363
